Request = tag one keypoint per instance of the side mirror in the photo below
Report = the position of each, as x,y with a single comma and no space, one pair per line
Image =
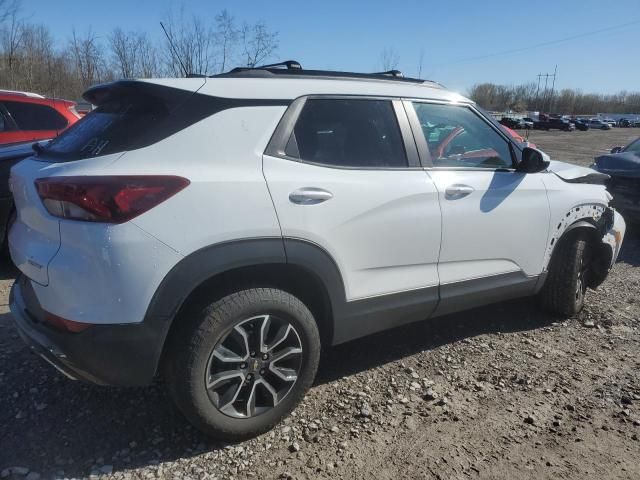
533,161
616,149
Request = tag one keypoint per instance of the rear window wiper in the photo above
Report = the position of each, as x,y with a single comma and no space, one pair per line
37,148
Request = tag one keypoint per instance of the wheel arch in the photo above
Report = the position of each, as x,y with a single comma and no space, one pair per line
299,267
590,230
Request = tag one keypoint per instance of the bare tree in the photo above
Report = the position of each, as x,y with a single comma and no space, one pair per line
31,60
389,59
124,51
87,54
190,43
149,65
8,8
227,36
258,43
11,35
37,59
521,98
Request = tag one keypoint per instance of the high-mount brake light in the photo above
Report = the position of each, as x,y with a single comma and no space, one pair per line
107,199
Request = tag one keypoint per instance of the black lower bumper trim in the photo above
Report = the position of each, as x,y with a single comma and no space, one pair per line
118,355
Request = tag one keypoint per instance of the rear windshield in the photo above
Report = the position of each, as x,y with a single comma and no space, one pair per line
130,116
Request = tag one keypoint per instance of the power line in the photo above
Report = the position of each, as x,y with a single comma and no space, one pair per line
538,45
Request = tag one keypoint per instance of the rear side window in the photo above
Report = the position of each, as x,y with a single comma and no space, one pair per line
131,115
32,116
348,133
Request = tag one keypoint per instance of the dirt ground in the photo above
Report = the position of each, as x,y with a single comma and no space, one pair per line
501,392
581,147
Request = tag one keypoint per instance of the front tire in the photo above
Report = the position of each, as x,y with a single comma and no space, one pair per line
241,364
565,288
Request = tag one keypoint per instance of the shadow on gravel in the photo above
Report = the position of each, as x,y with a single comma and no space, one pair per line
363,354
51,424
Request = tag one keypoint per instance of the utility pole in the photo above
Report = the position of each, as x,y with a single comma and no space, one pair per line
544,93
553,86
535,103
420,63
546,76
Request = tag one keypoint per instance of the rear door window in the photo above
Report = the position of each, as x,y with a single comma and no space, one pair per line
348,133
32,116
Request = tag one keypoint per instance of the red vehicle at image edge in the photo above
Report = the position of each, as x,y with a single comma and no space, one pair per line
26,117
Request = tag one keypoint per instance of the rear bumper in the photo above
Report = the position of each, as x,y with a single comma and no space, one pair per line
117,355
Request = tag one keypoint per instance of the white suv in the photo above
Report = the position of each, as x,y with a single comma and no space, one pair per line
221,231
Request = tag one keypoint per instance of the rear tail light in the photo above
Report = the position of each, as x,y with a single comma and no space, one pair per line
108,199
63,324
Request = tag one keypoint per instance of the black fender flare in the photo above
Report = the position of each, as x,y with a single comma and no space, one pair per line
202,265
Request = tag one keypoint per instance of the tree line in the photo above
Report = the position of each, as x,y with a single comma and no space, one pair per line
528,97
31,60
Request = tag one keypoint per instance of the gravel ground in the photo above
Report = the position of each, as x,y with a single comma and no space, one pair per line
499,392
581,147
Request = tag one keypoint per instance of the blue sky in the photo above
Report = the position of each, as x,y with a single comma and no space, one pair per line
350,35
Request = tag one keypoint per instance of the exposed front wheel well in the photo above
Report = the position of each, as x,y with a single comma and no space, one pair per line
599,252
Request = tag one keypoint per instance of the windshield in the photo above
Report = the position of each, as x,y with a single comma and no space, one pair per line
633,146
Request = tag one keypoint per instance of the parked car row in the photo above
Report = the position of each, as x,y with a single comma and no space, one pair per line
554,124
565,123
622,165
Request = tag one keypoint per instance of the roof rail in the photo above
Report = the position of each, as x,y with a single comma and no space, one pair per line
293,68
286,65
22,94
391,73
289,64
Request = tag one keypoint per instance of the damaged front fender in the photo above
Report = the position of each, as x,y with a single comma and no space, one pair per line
577,174
608,249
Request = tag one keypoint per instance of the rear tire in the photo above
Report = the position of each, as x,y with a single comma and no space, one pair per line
565,288
213,386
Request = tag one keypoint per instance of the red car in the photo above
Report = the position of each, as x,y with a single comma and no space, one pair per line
26,117
518,138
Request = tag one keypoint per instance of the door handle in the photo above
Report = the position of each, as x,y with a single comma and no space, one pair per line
456,191
309,196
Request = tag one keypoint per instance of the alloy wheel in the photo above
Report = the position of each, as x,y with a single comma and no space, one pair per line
254,366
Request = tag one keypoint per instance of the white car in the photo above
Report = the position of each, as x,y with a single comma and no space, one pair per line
222,231
599,124
528,122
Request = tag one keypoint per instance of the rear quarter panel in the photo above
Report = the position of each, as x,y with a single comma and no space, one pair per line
228,198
